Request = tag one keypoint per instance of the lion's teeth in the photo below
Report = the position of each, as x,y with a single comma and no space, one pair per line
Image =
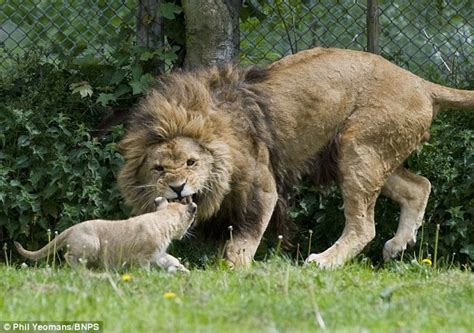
184,200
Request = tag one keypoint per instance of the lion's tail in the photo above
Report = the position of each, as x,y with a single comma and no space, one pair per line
57,243
450,97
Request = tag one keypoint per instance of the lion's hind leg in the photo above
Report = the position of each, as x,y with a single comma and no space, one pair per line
360,189
411,192
82,249
374,142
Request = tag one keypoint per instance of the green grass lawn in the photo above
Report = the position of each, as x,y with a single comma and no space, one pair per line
272,296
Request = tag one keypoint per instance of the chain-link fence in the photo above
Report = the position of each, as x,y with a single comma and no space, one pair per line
79,28
431,38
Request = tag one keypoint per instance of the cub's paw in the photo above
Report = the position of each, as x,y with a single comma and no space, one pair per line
178,268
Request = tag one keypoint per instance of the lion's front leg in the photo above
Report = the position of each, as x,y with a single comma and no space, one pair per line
242,246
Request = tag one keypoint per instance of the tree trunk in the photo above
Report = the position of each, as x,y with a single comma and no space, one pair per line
212,32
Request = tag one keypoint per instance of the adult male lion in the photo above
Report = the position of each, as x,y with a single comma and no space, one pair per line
235,140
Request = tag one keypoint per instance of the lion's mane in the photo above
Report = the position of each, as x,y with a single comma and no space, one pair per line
200,105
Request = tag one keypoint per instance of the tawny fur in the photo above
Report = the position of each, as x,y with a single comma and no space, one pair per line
238,139
141,240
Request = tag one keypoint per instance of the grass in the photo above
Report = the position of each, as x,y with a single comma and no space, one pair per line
272,296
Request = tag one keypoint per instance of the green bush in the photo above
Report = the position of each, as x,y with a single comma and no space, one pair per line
53,173
448,161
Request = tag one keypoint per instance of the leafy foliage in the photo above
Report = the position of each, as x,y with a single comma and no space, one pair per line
99,37
127,75
448,161
52,172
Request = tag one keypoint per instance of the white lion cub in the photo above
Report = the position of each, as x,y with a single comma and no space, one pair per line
141,240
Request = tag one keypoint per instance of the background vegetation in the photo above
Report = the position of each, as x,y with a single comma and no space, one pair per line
430,38
58,167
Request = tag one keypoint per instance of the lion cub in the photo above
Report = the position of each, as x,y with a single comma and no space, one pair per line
142,240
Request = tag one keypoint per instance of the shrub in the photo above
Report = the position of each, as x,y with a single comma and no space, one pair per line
52,172
448,161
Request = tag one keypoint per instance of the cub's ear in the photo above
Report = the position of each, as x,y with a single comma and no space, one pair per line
160,203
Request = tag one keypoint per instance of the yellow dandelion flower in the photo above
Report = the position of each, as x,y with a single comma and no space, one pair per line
427,261
169,295
126,277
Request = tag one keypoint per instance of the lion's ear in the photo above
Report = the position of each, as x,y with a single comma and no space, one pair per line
160,203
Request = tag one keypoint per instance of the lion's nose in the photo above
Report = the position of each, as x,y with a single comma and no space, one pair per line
178,189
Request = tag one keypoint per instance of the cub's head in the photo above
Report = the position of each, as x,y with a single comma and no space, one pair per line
179,216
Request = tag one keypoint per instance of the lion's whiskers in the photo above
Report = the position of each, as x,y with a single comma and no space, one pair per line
146,197
141,186
189,233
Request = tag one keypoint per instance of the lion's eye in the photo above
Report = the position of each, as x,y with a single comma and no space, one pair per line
158,168
190,162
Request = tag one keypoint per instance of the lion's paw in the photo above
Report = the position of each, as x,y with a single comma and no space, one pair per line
393,248
321,260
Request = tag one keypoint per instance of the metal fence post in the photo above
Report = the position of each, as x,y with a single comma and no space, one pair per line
149,30
372,26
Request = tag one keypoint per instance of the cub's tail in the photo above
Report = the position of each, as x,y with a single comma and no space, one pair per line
57,243
450,97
